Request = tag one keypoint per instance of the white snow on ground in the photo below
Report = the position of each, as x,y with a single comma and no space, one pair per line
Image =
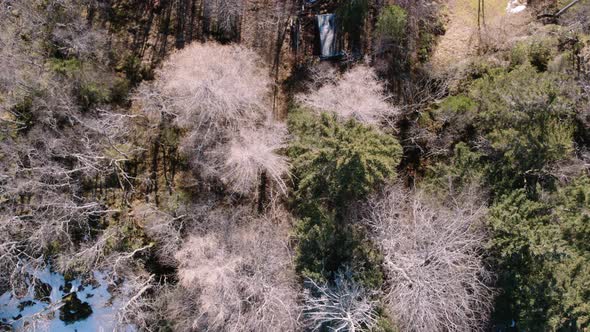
45,316
515,6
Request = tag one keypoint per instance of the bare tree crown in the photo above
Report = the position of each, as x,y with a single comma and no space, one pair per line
433,260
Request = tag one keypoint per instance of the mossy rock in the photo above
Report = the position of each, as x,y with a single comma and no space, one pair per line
42,292
21,306
68,278
5,327
73,309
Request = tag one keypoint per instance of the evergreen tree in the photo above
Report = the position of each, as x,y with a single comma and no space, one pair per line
339,163
335,165
527,122
541,251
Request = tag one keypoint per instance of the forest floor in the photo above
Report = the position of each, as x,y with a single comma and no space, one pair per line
461,38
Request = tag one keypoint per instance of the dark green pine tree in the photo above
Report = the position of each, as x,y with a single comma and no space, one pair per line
335,165
542,254
338,163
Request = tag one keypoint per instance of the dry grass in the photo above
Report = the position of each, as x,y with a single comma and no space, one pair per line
462,40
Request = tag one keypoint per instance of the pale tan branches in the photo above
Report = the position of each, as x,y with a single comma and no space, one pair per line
40,321
251,155
243,277
9,258
225,13
569,169
79,39
89,256
48,160
344,305
18,59
139,308
153,103
26,30
59,141
432,259
49,220
13,258
162,228
504,31
181,305
218,95
42,191
134,290
215,87
44,171
322,74
358,94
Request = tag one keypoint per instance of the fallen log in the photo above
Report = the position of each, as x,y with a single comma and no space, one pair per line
556,15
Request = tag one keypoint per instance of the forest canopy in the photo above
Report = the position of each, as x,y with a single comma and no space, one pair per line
195,165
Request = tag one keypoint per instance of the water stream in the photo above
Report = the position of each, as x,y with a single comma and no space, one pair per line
54,304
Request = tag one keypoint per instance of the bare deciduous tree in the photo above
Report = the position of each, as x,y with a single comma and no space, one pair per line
221,96
215,86
162,228
250,155
433,260
51,149
240,277
225,13
357,94
343,306
138,310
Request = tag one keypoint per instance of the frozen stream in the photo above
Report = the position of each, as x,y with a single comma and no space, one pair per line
51,305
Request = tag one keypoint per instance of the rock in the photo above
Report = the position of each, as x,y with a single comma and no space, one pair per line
73,309
25,304
43,292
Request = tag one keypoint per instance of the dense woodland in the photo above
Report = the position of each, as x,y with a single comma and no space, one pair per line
222,177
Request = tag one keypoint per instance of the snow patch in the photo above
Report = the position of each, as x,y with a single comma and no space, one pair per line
515,6
44,314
